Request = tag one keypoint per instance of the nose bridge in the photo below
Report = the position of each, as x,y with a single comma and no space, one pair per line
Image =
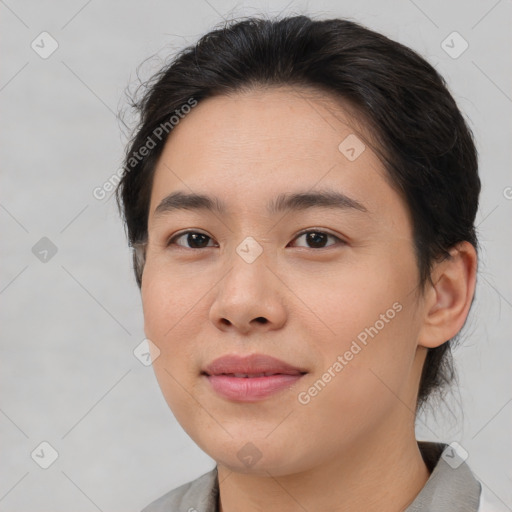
248,263
248,291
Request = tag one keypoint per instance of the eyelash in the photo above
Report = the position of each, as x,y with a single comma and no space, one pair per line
172,240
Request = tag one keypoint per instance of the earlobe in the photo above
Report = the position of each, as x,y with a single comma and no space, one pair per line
448,298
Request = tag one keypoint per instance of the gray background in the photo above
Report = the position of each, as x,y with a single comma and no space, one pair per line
69,324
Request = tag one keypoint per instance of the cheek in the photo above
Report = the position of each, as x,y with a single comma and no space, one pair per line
345,304
169,322
167,300
368,316
359,384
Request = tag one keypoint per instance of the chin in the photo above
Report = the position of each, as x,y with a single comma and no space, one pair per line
262,457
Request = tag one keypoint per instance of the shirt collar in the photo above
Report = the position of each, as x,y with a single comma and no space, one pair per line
451,486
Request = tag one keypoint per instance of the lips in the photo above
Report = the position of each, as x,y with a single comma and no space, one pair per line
250,378
254,365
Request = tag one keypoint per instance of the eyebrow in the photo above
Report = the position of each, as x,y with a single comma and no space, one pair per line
297,201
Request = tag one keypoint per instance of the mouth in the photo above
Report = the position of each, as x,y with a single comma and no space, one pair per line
250,378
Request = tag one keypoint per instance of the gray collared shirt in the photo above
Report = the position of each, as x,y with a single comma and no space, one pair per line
450,488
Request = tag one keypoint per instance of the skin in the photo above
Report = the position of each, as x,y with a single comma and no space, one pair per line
353,446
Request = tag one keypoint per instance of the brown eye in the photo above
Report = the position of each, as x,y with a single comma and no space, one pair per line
317,239
195,239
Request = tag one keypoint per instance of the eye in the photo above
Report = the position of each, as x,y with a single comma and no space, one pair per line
317,238
198,240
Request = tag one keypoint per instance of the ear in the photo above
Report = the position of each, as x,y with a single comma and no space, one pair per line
448,299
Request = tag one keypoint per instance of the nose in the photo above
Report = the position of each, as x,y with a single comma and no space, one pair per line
249,297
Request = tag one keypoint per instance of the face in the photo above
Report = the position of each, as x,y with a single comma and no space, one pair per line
338,304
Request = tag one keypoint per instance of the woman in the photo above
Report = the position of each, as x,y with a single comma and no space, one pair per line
305,247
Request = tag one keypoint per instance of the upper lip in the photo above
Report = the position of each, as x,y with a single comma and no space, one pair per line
250,365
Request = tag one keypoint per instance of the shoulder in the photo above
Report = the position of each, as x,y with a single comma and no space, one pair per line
197,495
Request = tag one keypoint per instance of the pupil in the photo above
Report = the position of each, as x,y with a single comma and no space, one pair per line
314,238
192,238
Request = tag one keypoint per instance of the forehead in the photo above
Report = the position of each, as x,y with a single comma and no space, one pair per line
263,142
281,121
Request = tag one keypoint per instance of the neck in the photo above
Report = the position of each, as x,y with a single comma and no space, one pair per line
380,475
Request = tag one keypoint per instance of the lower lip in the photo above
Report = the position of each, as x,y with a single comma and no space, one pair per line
250,389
